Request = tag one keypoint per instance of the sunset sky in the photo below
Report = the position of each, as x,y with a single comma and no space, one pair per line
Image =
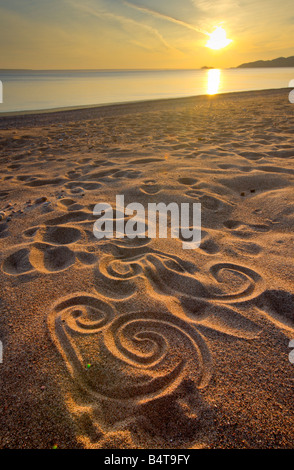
92,34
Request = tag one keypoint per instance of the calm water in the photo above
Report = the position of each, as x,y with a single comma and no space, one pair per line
57,89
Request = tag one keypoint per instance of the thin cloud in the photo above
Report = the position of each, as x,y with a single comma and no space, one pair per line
122,20
171,19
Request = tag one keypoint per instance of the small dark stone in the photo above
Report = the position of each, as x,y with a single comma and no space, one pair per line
40,200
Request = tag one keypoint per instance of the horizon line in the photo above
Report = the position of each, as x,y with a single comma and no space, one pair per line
107,69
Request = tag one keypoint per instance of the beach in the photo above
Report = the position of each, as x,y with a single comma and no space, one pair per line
137,343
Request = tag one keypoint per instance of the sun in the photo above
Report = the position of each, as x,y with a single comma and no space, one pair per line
218,39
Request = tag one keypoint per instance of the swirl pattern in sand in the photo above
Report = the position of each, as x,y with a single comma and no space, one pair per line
134,356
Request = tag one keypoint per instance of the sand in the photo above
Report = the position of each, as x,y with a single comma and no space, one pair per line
138,343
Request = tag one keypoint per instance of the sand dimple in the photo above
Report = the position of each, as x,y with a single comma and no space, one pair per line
151,187
74,216
187,181
279,305
45,182
74,185
18,263
253,183
61,235
50,258
143,161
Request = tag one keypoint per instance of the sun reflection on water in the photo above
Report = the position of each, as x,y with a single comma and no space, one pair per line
213,81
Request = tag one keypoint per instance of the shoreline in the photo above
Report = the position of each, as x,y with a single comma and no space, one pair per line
92,111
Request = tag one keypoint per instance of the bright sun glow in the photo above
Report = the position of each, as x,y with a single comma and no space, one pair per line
218,39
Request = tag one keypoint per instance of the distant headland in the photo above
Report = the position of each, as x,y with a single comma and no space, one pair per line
279,62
